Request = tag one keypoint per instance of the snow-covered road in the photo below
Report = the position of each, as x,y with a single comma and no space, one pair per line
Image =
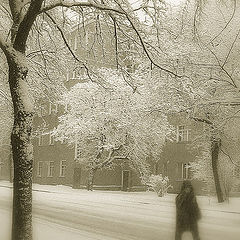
65,214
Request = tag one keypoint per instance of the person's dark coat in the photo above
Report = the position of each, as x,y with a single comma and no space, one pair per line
188,212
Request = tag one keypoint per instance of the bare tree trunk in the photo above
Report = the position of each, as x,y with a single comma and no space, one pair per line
91,179
22,150
10,166
215,154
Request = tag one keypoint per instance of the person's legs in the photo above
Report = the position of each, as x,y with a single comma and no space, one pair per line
178,234
194,231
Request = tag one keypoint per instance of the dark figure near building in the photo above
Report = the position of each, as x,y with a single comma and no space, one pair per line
188,212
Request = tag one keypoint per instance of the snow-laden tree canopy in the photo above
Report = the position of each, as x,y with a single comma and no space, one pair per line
112,118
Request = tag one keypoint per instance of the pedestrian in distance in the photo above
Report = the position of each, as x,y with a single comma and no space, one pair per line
187,212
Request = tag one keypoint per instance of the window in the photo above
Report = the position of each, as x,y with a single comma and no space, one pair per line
42,111
78,73
39,169
77,150
51,139
63,167
40,140
186,171
183,171
183,134
52,108
50,168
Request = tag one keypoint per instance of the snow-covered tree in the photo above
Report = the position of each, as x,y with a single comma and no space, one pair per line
21,19
217,31
205,50
110,122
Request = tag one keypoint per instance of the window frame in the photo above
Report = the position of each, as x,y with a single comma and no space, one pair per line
183,135
53,108
39,166
50,171
51,139
42,111
77,151
63,168
40,140
184,173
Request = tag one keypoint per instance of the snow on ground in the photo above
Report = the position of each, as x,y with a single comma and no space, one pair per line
63,213
43,230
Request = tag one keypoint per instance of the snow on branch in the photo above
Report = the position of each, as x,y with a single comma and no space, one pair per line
223,69
121,11
111,158
2,44
230,158
67,45
230,50
69,4
202,120
145,47
228,22
6,48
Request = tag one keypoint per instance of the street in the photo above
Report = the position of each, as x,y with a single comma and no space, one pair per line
78,214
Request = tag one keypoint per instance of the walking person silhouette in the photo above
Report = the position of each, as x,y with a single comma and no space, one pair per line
187,212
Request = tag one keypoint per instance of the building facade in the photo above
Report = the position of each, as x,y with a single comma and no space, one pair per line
178,153
55,161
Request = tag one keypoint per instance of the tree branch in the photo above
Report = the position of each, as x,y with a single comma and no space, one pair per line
111,158
230,50
106,8
202,120
7,11
229,21
5,96
80,4
144,46
223,69
26,24
116,38
3,44
226,154
67,45
5,47
14,10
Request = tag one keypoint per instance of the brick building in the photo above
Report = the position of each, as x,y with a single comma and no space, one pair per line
54,162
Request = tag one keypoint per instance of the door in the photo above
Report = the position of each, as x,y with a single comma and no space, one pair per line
77,178
125,180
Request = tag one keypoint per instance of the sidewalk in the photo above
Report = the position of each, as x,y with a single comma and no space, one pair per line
147,198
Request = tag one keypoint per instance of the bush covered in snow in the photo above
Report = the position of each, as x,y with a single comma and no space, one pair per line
159,184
